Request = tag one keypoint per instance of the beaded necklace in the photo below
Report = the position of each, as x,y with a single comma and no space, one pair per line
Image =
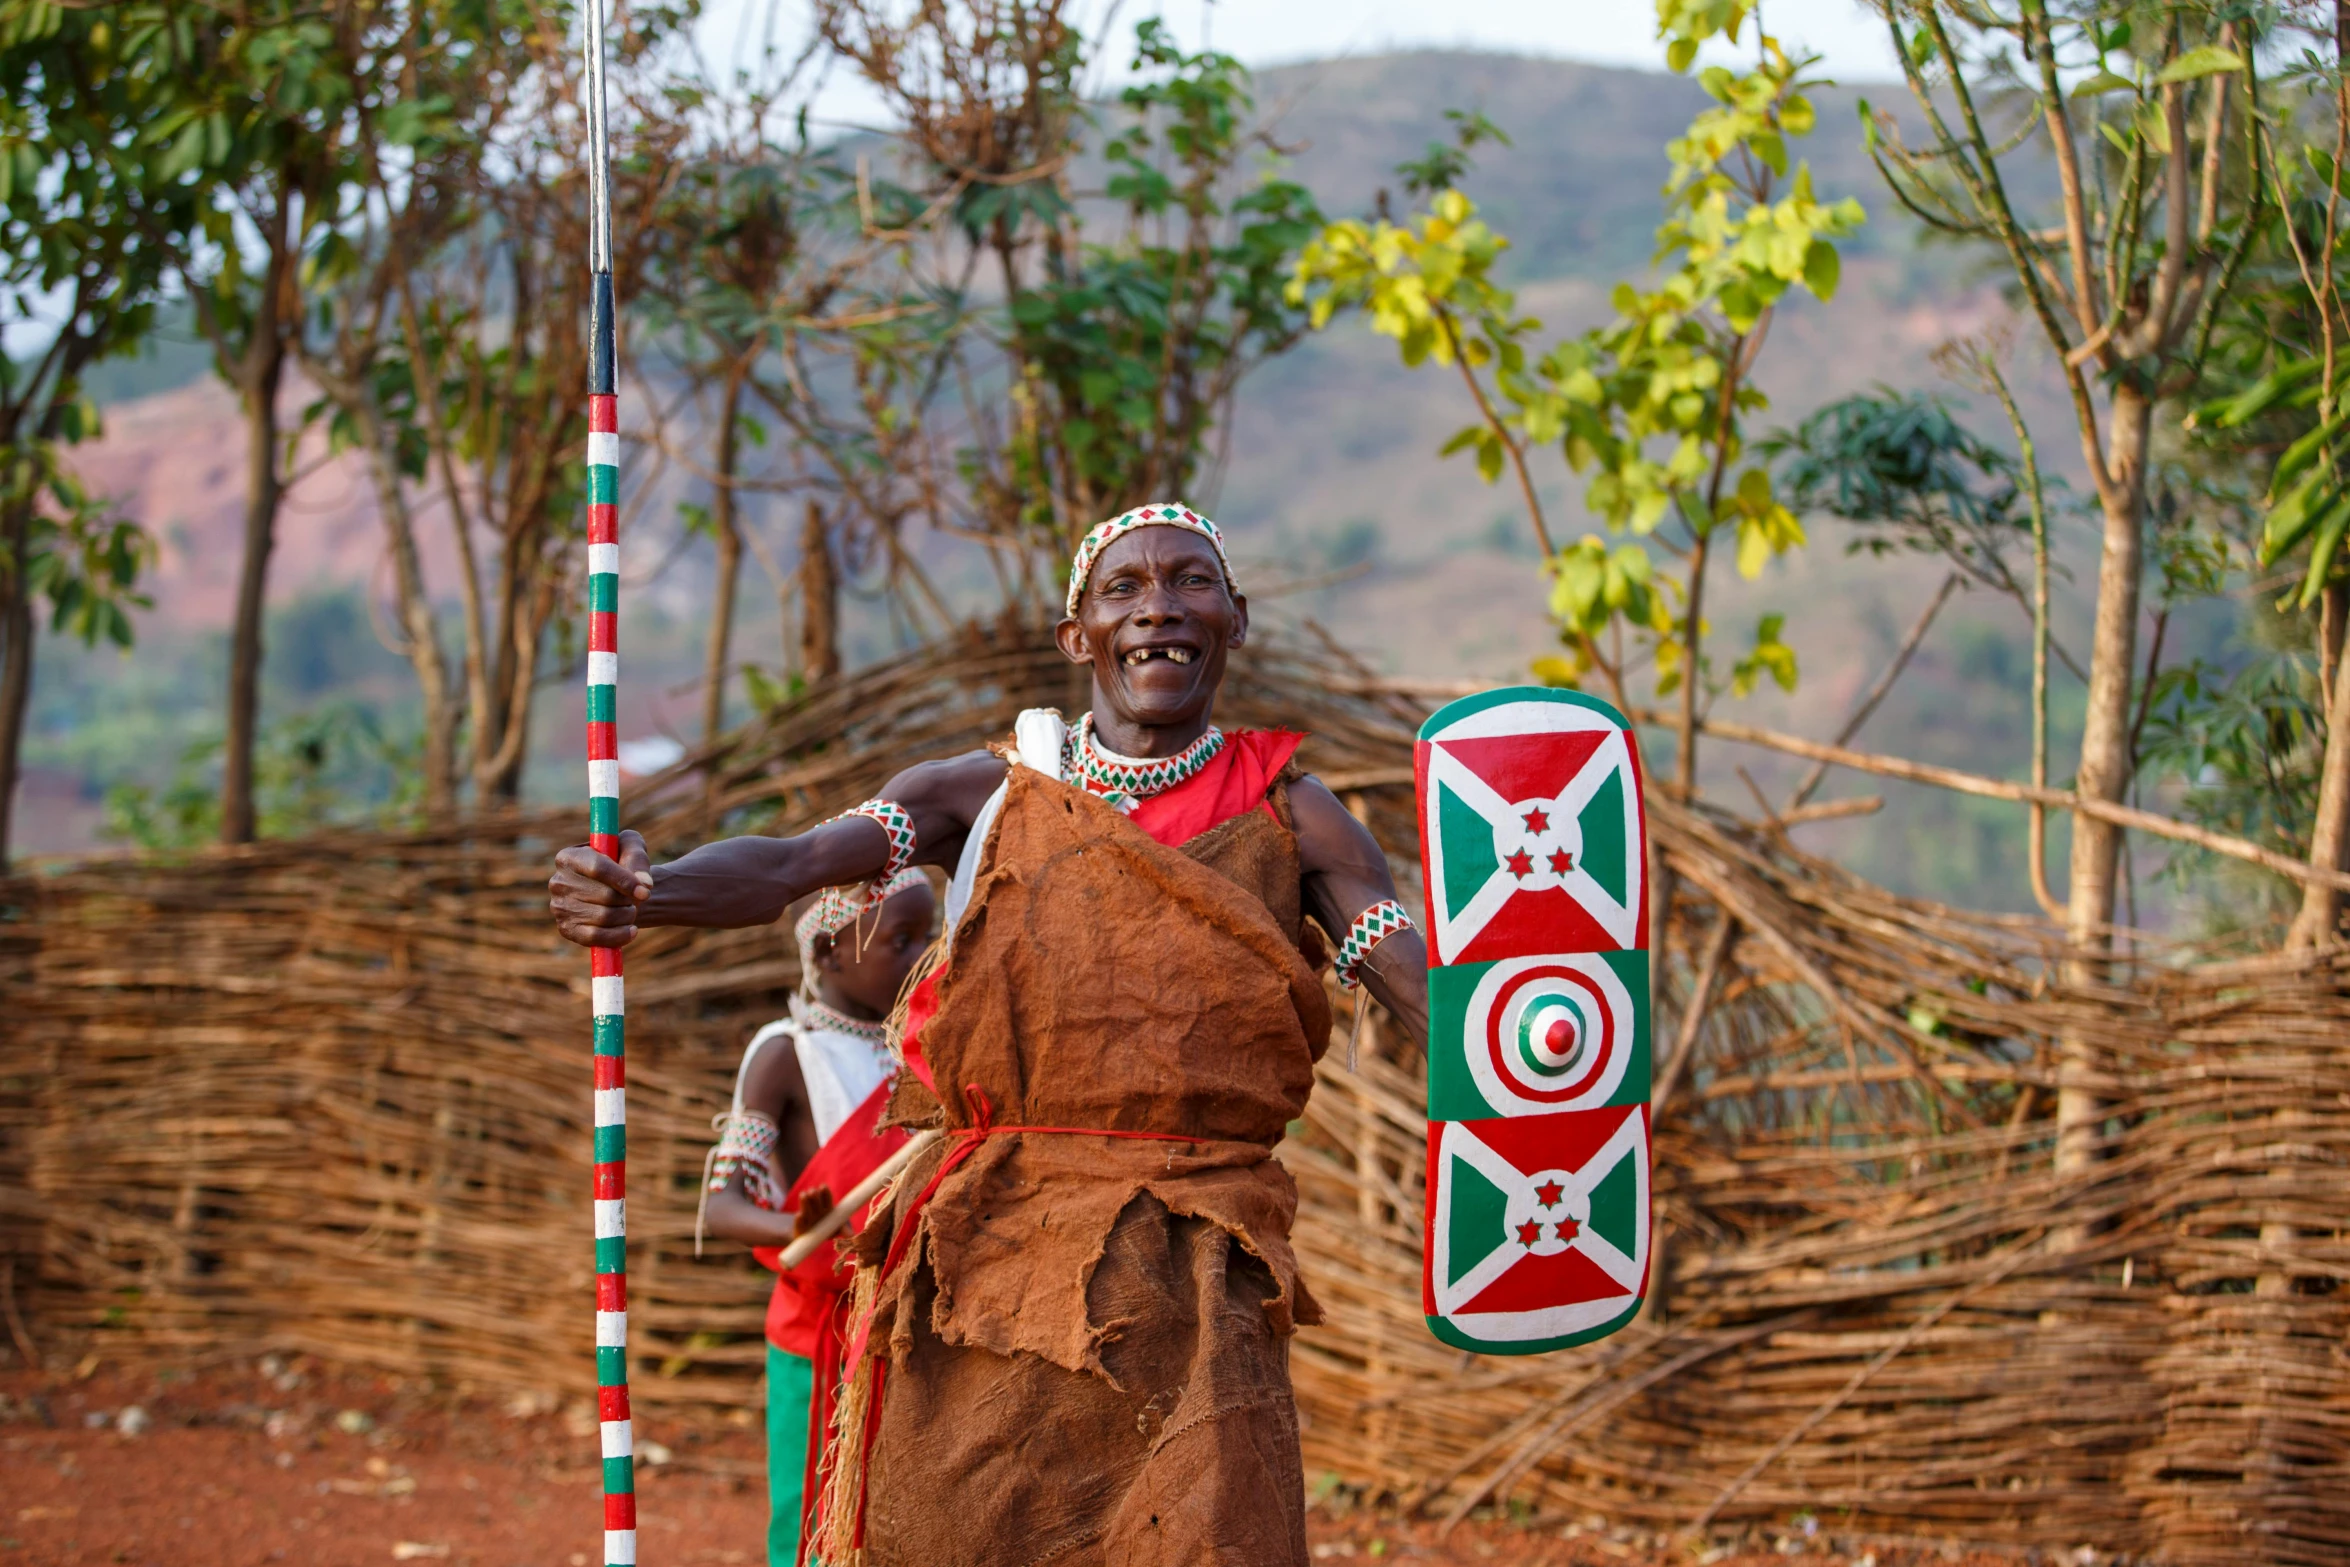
1122,780
815,1014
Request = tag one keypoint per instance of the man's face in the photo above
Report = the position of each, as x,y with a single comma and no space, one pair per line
1155,623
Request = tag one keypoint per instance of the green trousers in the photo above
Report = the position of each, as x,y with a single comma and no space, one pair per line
791,1384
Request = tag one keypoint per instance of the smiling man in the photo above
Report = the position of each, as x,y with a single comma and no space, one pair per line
1072,1320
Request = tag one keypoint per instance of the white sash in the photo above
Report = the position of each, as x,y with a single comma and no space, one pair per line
1038,736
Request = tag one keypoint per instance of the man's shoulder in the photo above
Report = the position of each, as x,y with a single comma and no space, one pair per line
958,786
984,761
950,772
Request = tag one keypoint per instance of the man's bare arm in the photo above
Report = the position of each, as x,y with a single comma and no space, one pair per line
1345,873
600,902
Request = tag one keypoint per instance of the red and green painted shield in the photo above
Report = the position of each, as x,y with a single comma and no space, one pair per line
1535,848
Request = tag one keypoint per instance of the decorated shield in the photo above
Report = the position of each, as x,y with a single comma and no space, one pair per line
1535,848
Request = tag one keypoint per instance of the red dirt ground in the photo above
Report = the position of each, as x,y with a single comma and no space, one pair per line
246,1465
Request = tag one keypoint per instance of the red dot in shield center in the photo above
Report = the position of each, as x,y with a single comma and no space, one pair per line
1559,1038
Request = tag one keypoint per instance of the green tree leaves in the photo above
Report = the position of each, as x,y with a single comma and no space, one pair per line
1128,348
2308,498
1769,656
2195,64
79,553
87,219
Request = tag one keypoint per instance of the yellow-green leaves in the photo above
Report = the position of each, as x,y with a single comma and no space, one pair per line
1685,24
2194,64
1416,282
1591,583
1765,528
1485,442
2308,502
2103,82
1770,656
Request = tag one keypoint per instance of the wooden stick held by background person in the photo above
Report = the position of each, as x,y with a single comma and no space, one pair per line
824,1229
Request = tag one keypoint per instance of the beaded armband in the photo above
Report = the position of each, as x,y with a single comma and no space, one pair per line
746,1144
893,819
1374,925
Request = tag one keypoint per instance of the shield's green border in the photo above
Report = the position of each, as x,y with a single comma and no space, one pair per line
1446,1333
1461,708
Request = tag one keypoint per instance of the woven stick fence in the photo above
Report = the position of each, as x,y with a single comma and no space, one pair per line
327,1096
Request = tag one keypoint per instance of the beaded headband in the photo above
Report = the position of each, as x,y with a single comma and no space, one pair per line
1159,514
837,908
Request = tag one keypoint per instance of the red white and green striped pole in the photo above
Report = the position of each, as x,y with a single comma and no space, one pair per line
603,749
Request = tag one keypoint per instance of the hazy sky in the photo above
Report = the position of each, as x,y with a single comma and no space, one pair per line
1273,32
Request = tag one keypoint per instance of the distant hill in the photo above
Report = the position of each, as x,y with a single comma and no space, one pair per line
1333,461
1577,190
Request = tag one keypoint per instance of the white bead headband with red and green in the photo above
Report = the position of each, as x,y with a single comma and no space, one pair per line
1162,514
840,907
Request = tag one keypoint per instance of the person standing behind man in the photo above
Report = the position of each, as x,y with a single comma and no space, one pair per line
801,1130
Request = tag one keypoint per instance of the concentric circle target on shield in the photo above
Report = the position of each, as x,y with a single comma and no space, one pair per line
1549,1033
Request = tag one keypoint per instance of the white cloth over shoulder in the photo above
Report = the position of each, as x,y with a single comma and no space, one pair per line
1038,736
840,1071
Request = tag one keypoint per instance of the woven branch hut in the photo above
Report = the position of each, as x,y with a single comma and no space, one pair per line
357,1070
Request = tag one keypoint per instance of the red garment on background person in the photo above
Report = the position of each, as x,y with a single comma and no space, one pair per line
801,1309
1238,778
804,1313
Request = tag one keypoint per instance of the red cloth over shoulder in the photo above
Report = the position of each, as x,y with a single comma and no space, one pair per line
1237,779
800,1310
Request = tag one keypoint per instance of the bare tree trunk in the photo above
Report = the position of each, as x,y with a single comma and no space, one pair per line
730,562
1685,752
2106,762
436,432
489,723
245,650
16,668
258,378
819,601
2318,923
525,624
526,601
355,395
422,631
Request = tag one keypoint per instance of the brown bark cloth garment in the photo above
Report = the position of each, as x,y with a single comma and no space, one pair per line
1086,1340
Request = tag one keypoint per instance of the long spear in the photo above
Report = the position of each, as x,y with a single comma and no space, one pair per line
603,749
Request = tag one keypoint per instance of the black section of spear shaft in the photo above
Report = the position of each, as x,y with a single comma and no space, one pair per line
600,337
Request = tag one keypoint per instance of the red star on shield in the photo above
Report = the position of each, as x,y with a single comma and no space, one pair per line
1568,1229
1561,861
1520,863
1528,1233
1548,1194
1537,820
